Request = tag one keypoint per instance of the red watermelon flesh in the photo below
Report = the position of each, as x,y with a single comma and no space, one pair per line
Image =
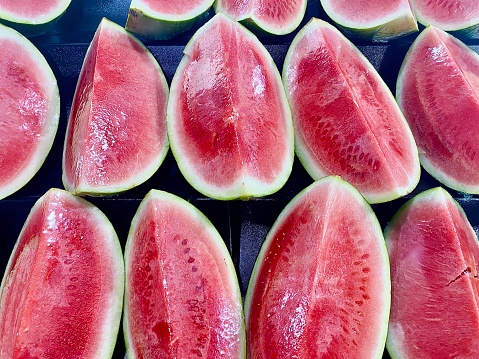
32,12
62,290
434,257
116,135
437,92
173,7
346,121
228,120
182,296
320,287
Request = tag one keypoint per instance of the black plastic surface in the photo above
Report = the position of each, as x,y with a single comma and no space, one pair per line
242,224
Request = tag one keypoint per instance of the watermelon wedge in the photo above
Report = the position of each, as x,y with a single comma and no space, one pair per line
277,17
62,292
32,12
229,123
165,19
29,110
320,287
437,92
376,20
434,257
346,120
116,137
182,296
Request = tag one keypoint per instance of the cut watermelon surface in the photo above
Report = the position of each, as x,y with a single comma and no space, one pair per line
434,257
116,136
29,110
32,12
62,291
182,295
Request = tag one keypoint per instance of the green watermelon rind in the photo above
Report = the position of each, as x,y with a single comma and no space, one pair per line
240,189
430,168
111,326
52,117
148,171
35,21
381,30
151,24
339,183
301,149
216,240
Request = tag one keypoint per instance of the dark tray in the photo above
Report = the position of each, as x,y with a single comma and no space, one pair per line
242,224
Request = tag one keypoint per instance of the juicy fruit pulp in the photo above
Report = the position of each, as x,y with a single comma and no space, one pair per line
182,296
434,257
437,93
32,12
61,295
29,110
320,287
229,123
346,121
275,16
116,136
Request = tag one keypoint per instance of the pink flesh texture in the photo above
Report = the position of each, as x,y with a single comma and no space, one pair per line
180,303
439,98
51,304
231,115
26,7
343,119
367,11
174,7
321,283
118,119
447,11
23,109
434,258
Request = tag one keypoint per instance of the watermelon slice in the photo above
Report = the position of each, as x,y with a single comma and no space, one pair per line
320,287
376,20
346,120
116,137
165,19
182,295
277,17
434,257
229,123
29,108
437,92
62,292
32,12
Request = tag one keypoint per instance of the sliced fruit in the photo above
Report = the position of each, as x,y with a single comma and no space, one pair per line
437,92
29,108
182,295
62,291
375,20
278,17
116,137
320,287
165,19
346,120
32,12
434,257
229,122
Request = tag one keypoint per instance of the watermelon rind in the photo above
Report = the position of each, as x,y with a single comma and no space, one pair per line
196,216
51,117
136,178
384,29
107,341
336,184
151,24
241,189
44,18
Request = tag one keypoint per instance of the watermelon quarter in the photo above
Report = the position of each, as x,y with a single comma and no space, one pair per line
32,12
437,92
434,255
62,291
229,123
182,296
346,120
29,110
116,136
320,287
